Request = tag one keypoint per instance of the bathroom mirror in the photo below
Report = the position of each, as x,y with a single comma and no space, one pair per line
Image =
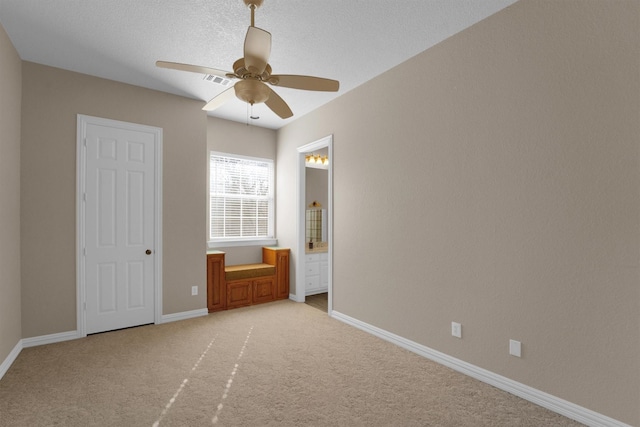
315,225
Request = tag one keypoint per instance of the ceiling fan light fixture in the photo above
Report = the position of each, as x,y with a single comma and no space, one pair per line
253,74
252,91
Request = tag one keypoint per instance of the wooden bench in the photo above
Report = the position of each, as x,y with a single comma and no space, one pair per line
248,271
247,284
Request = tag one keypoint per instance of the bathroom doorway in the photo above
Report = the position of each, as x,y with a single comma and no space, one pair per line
314,263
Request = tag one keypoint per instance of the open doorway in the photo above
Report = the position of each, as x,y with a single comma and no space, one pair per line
315,222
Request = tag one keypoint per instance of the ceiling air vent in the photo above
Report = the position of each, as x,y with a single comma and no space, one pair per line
217,80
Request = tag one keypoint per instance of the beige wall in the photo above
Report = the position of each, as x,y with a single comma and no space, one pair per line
10,98
500,173
237,138
52,98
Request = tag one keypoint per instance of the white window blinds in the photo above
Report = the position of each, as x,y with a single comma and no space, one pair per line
241,197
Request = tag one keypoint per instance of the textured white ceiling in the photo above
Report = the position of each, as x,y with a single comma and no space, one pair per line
347,40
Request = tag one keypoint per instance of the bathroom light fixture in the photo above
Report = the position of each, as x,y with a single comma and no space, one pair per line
316,160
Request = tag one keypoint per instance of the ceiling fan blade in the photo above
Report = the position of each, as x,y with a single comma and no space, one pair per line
193,68
220,99
278,105
305,82
257,49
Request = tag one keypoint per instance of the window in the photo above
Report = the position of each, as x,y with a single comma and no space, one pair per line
240,199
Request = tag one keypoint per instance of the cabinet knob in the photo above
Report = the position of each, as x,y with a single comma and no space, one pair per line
148,252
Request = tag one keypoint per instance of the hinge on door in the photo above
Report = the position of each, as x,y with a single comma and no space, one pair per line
84,197
84,306
84,251
85,142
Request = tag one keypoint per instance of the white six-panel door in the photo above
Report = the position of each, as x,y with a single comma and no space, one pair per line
119,222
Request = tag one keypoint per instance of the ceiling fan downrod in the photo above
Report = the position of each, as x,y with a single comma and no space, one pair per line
253,5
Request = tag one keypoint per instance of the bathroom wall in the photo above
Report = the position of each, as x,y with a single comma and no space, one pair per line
317,186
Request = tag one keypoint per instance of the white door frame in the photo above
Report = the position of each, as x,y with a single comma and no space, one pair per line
82,122
326,142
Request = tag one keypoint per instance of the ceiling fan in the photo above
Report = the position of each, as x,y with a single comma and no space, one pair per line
253,71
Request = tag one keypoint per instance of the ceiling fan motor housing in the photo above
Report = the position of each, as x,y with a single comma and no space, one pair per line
256,3
252,91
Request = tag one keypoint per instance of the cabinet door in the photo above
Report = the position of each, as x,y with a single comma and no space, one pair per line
311,284
238,293
324,274
283,275
264,290
216,286
312,269
311,258
280,258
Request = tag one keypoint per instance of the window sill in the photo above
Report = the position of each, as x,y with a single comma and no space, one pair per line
237,243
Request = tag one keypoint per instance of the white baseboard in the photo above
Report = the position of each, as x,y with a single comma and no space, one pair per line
548,401
32,342
174,317
8,361
72,335
293,297
50,339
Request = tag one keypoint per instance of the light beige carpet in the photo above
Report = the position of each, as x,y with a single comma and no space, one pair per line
277,364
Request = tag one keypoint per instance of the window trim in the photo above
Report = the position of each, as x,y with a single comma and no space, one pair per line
232,243
224,242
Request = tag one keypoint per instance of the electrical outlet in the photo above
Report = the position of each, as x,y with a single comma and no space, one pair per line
515,348
456,329
194,290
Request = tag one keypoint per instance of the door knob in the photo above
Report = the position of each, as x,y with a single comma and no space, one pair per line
148,252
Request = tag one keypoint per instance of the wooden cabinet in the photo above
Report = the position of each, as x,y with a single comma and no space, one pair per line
263,290
280,258
267,285
248,292
216,293
316,273
238,293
